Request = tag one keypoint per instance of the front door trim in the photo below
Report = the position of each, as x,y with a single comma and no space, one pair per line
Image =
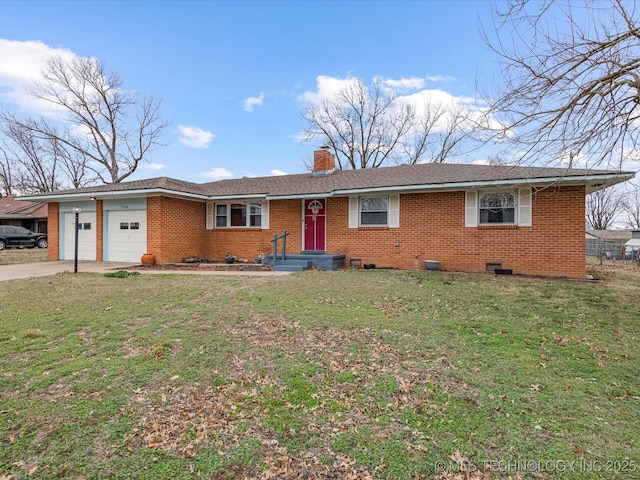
314,224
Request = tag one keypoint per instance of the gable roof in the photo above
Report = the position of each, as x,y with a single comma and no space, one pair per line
403,178
10,207
611,235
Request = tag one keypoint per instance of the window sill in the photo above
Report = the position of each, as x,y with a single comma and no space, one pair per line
236,228
498,227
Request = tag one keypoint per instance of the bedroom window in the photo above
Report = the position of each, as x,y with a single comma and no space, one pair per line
497,208
255,218
238,215
374,210
221,215
383,211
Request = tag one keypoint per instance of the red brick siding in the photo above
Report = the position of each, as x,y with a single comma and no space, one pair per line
323,161
175,228
248,243
432,228
53,229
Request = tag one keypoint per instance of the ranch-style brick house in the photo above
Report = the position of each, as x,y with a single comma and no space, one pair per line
470,218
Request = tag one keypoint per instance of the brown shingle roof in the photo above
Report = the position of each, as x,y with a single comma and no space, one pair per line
24,208
404,176
400,176
164,183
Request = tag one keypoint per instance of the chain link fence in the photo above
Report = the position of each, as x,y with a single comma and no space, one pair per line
612,250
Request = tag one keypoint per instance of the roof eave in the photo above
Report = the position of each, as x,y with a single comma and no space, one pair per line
601,181
83,196
248,196
591,182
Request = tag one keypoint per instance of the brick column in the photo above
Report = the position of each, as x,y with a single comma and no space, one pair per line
53,231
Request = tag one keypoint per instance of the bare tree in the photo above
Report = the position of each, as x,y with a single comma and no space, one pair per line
367,126
570,79
32,164
73,164
603,207
34,170
6,173
458,128
106,128
631,205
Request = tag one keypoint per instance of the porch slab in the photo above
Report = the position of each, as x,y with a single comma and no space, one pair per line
320,260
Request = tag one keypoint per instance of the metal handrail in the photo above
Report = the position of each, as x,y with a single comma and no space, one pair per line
275,245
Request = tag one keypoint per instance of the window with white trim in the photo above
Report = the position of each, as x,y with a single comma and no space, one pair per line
374,210
370,211
497,208
238,215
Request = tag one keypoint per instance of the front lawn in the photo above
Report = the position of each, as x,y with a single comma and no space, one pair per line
350,374
10,256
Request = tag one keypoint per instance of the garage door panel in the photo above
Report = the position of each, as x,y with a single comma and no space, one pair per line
127,235
86,236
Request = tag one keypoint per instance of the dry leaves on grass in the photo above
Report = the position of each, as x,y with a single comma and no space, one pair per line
464,468
185,418
328,346
284,466
189,417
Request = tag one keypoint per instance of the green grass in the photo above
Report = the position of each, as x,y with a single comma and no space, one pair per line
356,373
11,256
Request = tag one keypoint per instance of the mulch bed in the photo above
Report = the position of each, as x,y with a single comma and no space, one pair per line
219,267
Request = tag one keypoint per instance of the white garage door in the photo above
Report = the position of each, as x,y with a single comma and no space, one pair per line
86,236
127,235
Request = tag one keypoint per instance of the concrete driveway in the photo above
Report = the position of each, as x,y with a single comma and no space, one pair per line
43,269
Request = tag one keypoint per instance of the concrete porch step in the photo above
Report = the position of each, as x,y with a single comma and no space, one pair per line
323,261
292,265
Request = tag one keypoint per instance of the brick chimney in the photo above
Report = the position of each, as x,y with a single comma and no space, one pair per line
323,162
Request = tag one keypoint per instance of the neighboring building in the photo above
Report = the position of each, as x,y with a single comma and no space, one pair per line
22,213
632,247
607,244
470,218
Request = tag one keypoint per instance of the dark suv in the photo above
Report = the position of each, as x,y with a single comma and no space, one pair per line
20,237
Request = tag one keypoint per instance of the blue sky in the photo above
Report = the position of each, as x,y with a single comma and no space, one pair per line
233,75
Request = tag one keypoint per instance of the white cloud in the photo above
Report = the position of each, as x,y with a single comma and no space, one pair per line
276,173
440,78
21,63
448,109
217,173
153,166
327,87
626,159
252,102
451,107
404,84
195,137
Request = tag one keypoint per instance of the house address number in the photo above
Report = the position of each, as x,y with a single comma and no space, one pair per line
124,207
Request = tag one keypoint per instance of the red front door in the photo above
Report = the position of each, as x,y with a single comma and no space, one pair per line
314,224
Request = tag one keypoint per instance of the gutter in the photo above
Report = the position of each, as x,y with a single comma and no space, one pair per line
85,196
102,195
581,180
